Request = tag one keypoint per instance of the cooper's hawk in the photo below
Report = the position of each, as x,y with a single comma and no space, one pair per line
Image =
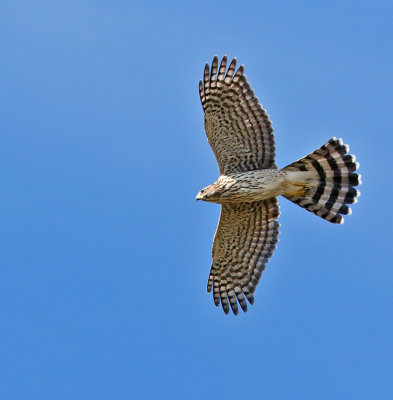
241,136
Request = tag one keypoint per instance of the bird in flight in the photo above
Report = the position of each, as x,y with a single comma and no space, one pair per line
241,135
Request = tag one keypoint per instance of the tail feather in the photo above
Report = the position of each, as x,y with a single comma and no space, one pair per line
328,185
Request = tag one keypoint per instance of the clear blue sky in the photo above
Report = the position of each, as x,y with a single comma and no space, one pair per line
104,252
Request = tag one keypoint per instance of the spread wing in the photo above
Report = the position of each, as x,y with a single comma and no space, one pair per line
237,127
246,236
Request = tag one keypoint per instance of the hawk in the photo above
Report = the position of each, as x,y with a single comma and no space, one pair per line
241,136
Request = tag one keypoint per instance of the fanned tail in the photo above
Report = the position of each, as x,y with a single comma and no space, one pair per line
323,181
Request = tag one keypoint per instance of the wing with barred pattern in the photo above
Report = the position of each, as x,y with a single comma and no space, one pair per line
237,127
246,236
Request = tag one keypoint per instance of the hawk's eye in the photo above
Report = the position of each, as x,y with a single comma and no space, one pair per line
203,191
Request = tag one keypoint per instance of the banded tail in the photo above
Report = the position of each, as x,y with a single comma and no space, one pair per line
329,185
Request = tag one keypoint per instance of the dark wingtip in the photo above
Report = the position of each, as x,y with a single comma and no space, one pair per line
243,305
250,299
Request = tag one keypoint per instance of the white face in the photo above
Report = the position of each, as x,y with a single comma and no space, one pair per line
199,196
216,192
209,193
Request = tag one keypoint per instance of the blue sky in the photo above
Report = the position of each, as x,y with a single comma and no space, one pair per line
104,252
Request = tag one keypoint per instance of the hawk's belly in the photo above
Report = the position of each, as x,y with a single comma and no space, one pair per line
252,185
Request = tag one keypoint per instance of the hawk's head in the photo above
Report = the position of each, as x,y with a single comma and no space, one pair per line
215,192
210,193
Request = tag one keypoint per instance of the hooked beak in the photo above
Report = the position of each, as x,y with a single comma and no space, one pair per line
198,196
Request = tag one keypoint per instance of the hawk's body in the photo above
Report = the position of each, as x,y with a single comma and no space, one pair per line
241,136
260,184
